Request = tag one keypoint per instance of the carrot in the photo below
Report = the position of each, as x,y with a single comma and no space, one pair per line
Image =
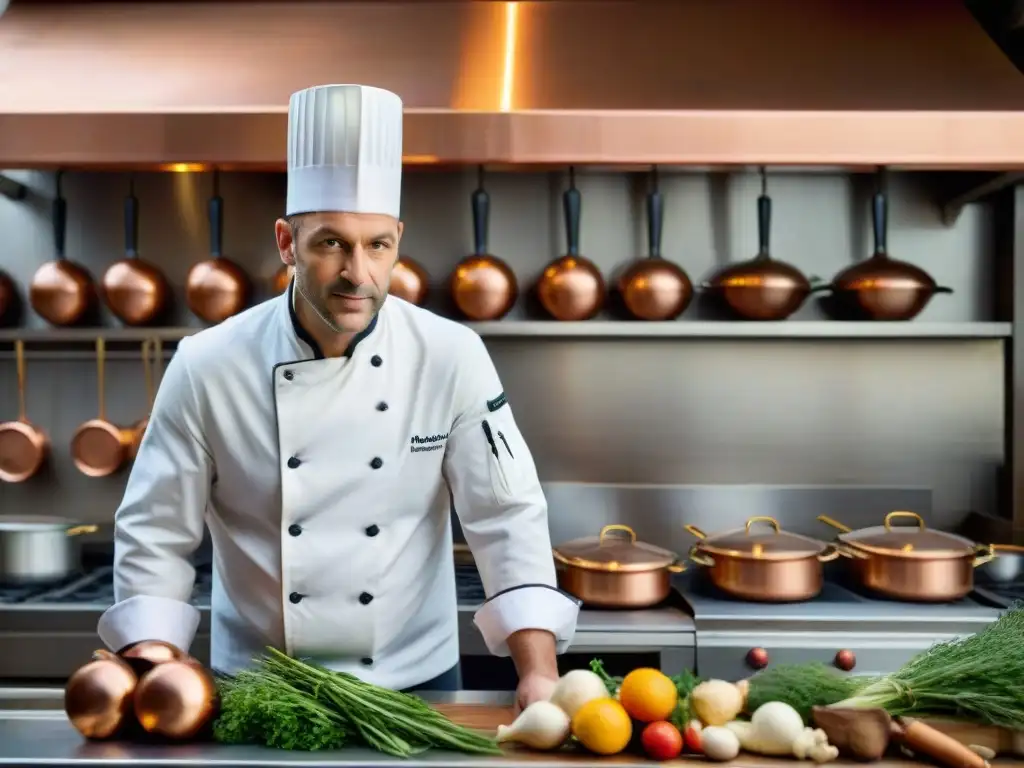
922,738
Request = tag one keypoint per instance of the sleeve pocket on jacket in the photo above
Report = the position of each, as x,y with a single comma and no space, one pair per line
508,459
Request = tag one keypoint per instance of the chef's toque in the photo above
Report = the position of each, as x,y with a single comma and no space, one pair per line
344,150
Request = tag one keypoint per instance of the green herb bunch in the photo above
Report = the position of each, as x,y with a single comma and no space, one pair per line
291,704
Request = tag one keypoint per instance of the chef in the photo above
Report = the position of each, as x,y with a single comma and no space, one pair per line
322,437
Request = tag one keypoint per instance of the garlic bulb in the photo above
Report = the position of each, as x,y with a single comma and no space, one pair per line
576,688
542,725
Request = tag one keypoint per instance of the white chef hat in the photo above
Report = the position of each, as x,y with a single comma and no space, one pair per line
344,150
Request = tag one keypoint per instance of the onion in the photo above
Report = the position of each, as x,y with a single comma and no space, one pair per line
98,696
176,699
146,654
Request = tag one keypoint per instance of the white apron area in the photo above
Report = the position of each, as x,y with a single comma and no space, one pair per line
325,486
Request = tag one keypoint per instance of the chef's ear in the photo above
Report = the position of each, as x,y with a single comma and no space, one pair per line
401,229
286,232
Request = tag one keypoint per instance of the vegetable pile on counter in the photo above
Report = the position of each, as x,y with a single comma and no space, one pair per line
291,704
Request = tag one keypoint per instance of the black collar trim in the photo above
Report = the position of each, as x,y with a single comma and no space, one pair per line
303,334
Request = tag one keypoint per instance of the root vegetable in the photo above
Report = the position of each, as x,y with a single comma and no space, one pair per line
576,688
542,725
716,702
776,729
862,734
720,743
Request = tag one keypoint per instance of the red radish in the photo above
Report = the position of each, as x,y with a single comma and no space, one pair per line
662,741
692,737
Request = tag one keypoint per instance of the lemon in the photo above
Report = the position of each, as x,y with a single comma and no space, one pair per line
648,695
603,726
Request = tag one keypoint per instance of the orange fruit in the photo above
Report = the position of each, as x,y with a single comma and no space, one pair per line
602,726
648,695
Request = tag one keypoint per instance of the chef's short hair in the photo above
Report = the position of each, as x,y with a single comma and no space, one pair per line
293,222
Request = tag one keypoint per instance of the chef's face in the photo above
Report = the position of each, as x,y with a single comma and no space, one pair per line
343,263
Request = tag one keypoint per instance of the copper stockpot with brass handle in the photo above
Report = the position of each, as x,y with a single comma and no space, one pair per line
614,570
912,563
765,566
24,447
98,447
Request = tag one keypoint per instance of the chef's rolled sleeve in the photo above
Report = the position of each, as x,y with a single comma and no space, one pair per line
160,521
502,509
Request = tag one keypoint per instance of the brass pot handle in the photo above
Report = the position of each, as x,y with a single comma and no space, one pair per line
903,513
983,553
763,519
700,558
693,529
830,553
852,553
676,567
834,523
78,530
616,527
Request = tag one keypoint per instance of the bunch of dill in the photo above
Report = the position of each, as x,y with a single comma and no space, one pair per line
977,678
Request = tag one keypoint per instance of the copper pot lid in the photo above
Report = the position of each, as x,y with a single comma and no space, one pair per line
761,538
615,550
908,540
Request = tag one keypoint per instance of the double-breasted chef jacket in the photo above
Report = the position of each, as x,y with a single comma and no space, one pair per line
325,485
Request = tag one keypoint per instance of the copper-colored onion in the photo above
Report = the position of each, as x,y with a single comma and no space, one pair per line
98,696
177,699
146,654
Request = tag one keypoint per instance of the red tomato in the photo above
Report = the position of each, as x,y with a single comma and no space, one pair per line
662,741
692,737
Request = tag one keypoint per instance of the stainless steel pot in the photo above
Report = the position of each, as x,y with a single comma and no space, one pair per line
38,548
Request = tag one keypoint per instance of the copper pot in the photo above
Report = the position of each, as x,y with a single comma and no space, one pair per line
8,298
765,566
655,288
572,288
23,447
217,288
761,288
883,288
912,563
98,447
152,352
483,286
133,289
614,570
283,276
62,292
409,281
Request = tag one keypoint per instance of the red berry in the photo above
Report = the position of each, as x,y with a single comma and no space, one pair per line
662,741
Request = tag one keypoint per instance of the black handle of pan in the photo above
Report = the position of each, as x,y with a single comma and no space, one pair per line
880,216
655,216
481,204
764,217
60,218
572,205
216,211
131,221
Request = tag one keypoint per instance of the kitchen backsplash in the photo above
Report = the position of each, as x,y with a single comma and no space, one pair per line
904,413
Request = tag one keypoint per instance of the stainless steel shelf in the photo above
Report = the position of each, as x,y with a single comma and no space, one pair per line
595,329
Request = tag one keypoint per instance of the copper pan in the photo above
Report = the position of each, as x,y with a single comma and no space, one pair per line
23,447
98,447
483,286
9,299
217,288
614,570
655,288
409,281
62,292
883,288
766,566
761,288
152,351
572,288
283,276
913,563
133,289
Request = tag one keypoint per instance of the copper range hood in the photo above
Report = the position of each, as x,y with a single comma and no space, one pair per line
910,84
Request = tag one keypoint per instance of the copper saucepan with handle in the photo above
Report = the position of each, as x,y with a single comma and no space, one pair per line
98,447
766,565
23,447
614,570
151,349
913,563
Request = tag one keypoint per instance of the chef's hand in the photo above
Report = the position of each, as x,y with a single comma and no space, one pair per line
534,686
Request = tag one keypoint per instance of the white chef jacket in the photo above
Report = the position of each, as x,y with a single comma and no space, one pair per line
325,486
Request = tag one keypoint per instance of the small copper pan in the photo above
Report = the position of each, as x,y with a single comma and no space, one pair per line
151,351
23,447
98,447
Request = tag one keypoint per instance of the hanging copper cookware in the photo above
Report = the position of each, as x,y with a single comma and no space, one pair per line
9,299
62,292
614,570
765,565
762,288
98,447
283,276
883,288
483,286
409,281
152,350
571,287
655,288
911,562
23,447
217,288
133,289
